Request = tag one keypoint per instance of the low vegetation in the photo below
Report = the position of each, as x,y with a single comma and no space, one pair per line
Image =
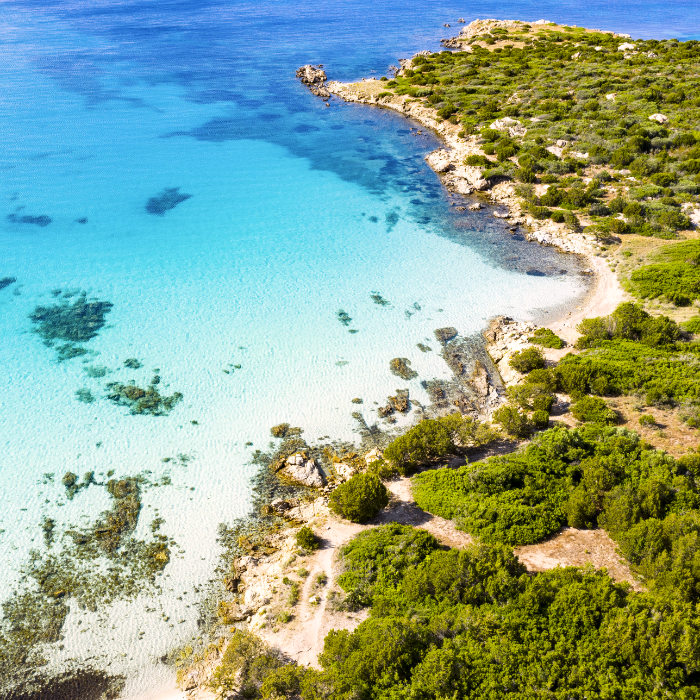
360,498
585,112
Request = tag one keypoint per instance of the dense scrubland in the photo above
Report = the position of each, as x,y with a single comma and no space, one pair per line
452,624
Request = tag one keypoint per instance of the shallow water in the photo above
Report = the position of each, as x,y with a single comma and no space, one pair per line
297,211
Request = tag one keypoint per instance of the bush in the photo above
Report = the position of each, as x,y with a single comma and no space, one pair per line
592,409
675,274
513,421
425,442
540,419
692,325
477,160
546,338
360,498
526,360
306,539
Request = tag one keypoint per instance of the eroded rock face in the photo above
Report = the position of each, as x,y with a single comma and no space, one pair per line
304,470
314,77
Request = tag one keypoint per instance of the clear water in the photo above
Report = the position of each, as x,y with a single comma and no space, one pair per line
297,211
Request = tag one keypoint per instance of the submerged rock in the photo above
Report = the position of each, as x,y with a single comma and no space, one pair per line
446,334
148,401
401,367
168,199
41,220
7,281
76,323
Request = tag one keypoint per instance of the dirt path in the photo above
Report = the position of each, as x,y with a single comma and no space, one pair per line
302,638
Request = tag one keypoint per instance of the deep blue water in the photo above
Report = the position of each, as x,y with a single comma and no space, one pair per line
296,211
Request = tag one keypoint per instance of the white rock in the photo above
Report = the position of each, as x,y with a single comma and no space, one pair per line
439,160
578,154
576,55
657,117
692,211
303,470
610,97
555,150
512,126
562,143
373,456
626,47
343,471
475,206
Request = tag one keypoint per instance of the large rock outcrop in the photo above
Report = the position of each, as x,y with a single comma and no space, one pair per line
314,77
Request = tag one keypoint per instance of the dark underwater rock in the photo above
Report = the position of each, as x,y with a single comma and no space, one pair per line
444,335
168,199
41,220
148,401
75,322
7,281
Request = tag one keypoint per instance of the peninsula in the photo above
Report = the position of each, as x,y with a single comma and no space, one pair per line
550,546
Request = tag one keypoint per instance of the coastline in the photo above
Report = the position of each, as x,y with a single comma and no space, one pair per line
301,640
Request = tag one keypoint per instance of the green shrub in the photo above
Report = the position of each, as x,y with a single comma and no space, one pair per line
306,539
592,409
424,443
540,419
692,325
360,498
546,338
513,421
676,275
477,160
526,360
245,664
647,420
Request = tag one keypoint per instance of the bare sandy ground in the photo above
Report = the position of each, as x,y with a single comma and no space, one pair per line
605,295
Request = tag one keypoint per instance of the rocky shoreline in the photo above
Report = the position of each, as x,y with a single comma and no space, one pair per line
259,583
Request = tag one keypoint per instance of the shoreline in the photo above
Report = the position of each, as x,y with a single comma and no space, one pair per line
302,639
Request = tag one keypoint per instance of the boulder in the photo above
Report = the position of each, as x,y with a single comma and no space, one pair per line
445,334
373,456
512,126
314,77
439,160
304,470
657,117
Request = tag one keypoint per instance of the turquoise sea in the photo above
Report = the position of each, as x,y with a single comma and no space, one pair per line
295,213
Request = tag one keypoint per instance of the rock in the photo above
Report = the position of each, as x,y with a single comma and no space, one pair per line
561,143
627,46
512,126
279,506
475,206
480,379
401,367
373,456
439,160
610,97
385,411
314,77
299,467
657,117
343,470
445,334
400,402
